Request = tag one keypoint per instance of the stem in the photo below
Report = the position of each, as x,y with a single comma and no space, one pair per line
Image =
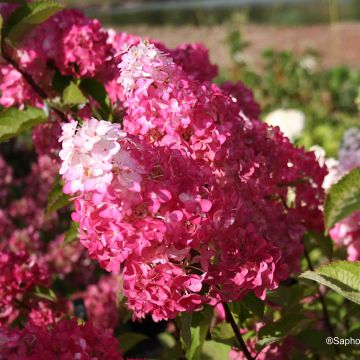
322,301
40,92
230,319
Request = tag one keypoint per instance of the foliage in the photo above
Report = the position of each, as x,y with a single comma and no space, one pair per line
325,96
342,276
343,199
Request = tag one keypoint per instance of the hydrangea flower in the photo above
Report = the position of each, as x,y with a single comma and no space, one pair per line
19,275
87,155
244,98
290,121
15,91
101,300
65,340
186,203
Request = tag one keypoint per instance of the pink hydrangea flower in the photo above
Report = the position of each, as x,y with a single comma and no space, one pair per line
193,192
65,340
243,97
15,91
100,302
194,60
46,137
19,275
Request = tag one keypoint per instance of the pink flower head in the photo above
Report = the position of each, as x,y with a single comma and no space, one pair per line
65,340
192,203
141,65
19,275
194,60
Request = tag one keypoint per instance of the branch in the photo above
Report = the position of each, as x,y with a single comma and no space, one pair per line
40,92
230,319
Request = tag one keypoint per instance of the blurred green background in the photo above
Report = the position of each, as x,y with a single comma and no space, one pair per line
294,54
210,12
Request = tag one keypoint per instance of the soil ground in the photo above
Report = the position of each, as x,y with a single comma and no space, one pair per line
339,44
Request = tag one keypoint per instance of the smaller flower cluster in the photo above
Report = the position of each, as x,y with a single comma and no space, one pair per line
31,243
347,232
19,275
62,341
46,137
14,88
194,60
243,97
88,155
100,301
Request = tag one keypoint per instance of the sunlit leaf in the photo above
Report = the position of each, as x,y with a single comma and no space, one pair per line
194,328
342,199
72,95
14,121
71,234
28,16
57,199
341,276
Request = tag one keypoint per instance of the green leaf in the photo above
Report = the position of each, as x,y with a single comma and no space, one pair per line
341,276
315,339
14,121
96,90
194,328
223,333
129,340
45,293
185,330
239,311
213,350
71,234
60,82
254,304
289,297
57,199
167,340
173,353
289,325
28,16
72,95
342,199
323,242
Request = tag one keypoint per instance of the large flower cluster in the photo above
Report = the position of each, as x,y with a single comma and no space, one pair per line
65,340
192,202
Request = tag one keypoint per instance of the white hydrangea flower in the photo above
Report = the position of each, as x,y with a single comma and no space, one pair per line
87,154
290,121
349,157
